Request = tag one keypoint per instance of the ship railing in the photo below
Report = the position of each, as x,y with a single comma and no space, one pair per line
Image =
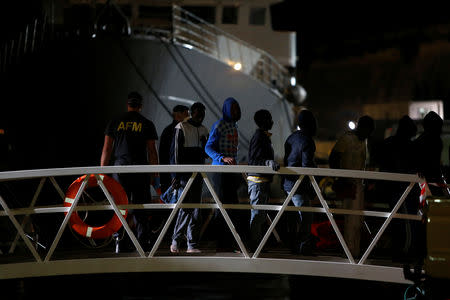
26,41
15,214
193,32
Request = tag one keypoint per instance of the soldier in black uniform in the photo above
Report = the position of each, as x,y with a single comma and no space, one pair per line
131,140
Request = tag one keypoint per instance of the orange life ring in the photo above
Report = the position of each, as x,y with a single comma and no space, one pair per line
101,232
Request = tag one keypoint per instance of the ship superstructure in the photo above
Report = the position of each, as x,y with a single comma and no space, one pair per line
94,52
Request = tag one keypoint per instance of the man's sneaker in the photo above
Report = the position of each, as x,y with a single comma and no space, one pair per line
193,250
174,249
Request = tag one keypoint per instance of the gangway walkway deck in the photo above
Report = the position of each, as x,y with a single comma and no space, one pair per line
34,261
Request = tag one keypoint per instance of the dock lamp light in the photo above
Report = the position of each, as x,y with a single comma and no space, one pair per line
293,81
351,125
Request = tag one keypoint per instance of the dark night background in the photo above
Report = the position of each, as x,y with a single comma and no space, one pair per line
349,55
369,52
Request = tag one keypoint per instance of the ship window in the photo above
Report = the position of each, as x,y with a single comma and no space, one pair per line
257,16
207,13
230,15
155,12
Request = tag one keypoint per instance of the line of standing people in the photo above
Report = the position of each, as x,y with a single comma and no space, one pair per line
131,137
401,153
221,146
132,140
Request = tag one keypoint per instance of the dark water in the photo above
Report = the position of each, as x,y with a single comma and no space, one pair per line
143,286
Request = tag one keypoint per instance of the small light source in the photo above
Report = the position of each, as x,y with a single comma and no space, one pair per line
237,66
190,47
93,36
293,81
351,125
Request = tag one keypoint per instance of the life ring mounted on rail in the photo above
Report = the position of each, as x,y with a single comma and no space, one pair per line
100,232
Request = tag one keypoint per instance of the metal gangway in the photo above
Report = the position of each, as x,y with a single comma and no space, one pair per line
35,260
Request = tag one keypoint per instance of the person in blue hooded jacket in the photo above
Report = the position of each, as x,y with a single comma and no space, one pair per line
222,147
299,150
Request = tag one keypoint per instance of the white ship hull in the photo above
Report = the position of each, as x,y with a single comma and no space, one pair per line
145,64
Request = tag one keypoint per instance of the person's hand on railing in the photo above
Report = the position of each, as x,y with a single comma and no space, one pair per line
273,164
229,160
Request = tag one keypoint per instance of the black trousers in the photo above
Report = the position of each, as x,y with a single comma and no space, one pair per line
137,187
226,186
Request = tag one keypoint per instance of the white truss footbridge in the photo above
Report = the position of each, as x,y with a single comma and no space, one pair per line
38,261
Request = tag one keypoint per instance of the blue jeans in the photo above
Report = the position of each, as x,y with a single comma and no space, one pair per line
301,238
189,219
258,194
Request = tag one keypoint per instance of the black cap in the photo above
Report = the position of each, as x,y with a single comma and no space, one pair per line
134,98
180,108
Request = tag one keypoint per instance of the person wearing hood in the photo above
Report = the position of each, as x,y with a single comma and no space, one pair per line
299,150
222,147
395,156
428,147
260,153
350,152
427,153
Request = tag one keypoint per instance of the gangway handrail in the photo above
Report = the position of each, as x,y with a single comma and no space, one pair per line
216,204
55,172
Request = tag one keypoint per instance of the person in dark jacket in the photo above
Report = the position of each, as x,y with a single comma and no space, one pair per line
260,153
188,149
428,147
131,140
179,113
396,155
428,150
299,152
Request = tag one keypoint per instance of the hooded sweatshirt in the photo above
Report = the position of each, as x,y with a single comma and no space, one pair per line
299,149
223,137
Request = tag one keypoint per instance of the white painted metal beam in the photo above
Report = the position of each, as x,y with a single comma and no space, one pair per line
254,264
204,264
27,174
